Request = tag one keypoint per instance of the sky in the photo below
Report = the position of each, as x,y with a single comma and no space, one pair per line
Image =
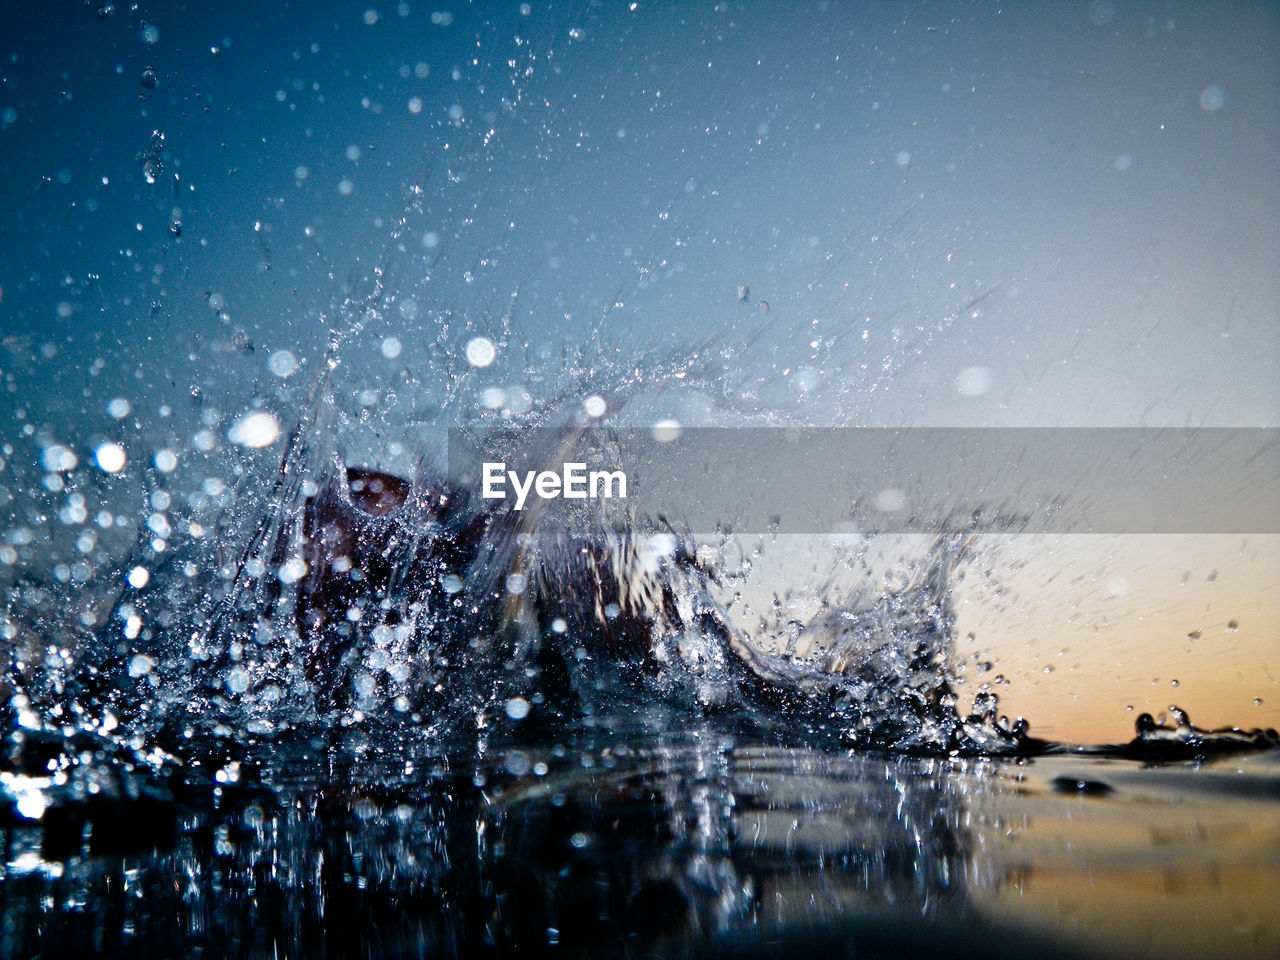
202,197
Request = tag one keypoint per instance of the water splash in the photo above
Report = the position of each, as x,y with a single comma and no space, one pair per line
1177,738
338,597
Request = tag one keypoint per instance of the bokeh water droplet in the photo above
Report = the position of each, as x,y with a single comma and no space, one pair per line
58,458
110,457
282,363
1213,98
481,352
666,431
255,430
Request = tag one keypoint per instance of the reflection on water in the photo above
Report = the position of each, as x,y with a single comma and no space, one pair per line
1175,860
615,845
587,847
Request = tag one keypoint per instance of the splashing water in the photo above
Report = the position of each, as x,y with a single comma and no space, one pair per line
326,597
344,598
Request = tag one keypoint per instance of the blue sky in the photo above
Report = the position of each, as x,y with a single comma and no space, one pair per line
1108,171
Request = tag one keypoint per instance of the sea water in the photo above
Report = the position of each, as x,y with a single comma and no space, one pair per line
697,842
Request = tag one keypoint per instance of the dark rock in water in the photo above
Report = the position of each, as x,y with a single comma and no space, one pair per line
1085,787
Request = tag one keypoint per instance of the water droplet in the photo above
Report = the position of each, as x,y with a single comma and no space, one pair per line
292,570
517,708
666,431
149,79
516,763
110,457
59,459
31,804
255,430
594,406
282,363
391,347
1213,98
481,352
